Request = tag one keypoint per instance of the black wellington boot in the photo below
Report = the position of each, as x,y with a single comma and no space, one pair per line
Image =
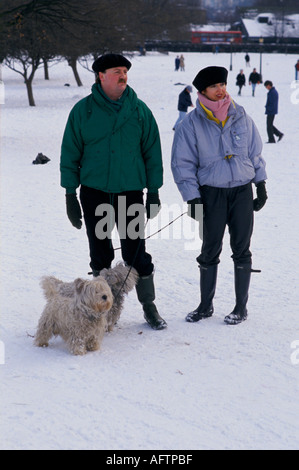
208,279
95,273
146,295
242,282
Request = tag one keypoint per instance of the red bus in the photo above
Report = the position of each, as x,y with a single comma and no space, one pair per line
216,37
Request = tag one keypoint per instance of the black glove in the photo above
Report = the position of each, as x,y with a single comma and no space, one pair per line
73,210
193,209
153,205
262,197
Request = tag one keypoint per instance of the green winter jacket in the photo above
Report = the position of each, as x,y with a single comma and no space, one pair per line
111,148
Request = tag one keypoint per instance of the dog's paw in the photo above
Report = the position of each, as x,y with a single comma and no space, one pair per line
92,345
78,350
42,345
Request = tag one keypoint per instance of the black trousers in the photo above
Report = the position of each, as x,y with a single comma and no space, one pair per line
232,207
271,129
101,211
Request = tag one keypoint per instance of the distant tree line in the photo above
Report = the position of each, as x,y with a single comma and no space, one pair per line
221,13
35,32
274,6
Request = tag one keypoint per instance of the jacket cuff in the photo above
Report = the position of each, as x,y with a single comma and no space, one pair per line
70,190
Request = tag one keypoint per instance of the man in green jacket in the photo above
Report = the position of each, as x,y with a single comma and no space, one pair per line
111,148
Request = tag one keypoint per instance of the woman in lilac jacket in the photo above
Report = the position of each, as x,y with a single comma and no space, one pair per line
216,157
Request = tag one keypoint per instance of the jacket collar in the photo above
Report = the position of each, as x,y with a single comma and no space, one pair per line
102,99
208,113
124,112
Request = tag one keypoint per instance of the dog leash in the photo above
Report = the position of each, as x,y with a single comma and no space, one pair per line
152,235
158,231
138,247
134,259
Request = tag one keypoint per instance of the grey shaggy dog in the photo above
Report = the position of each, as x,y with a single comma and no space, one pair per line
121,280
82,311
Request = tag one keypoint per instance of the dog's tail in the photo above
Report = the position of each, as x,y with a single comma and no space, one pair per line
50,285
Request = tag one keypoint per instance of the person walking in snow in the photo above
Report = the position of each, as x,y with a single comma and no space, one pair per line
182,63
241,81
111,149
177,64
254,79
183,104
247,60
216,159
271,110
296,70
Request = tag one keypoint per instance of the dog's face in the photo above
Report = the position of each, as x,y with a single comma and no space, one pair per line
95,294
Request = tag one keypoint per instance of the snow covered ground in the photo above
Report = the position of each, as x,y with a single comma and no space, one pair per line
192,386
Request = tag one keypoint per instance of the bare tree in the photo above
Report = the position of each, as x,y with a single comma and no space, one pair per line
32,32
22,50
29,33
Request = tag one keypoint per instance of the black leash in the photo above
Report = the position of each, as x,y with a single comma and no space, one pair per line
158,231
134,259
140,241
138,247
150,236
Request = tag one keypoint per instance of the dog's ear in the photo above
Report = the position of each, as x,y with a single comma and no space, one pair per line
104,272
79,284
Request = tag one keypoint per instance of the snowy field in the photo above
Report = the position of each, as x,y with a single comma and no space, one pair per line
192,386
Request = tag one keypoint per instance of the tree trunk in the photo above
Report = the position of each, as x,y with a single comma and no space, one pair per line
46,69
73,64
29,92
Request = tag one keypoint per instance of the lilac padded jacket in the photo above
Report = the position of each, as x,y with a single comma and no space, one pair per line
206,153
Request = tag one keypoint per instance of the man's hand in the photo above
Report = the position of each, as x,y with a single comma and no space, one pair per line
153,205
73,210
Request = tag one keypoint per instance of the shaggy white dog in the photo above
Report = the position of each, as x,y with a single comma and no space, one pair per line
81,311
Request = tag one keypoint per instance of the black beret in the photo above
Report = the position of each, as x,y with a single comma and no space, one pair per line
209,76
108,61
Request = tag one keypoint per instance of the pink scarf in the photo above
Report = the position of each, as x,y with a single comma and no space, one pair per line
218,108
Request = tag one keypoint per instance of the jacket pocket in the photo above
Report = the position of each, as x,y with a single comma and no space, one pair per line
217,174
239,139
243,170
